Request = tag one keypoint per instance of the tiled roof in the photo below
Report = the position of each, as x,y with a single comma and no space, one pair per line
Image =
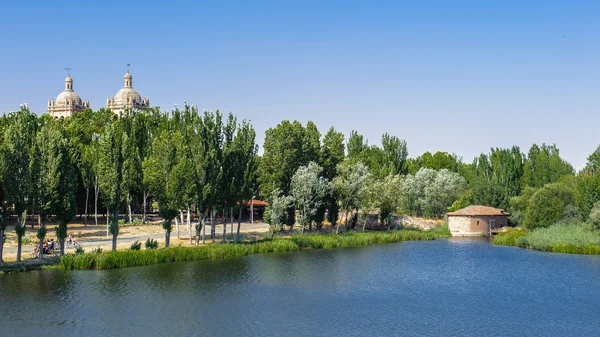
479,210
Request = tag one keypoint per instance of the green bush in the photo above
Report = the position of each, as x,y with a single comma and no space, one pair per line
136,245
151,244
26,240
510,237
131,258
548,205
79,250
97,250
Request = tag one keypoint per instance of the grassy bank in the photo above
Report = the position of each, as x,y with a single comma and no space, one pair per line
132,258
560,238
27,265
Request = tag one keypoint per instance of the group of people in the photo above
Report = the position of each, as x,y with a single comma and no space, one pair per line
48,248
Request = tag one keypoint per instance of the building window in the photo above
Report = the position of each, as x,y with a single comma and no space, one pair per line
477,223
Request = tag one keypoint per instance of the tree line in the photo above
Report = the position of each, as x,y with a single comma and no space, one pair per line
176,159
186,158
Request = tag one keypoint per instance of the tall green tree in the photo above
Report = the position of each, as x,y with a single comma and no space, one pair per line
332,154
544,166
110,175
245,168
308,189
19,138
166,172
351,187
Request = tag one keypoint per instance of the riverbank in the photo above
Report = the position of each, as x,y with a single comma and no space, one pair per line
28,265
134,258
559,238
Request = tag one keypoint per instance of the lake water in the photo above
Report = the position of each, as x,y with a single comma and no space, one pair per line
454,287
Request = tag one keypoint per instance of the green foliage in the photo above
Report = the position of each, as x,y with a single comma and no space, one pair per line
308,190
510,237
562,237
437,161
519,204
137,245
466,199
383,194
151,244
131,258
549,204
286,147
79,250
544,166
276,211
594,218
430,192
496,177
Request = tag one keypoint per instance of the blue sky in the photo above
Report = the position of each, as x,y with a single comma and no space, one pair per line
455,76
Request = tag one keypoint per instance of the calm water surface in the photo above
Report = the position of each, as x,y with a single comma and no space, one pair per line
444,287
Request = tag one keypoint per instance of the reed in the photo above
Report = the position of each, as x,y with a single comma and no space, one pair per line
559,238
131,258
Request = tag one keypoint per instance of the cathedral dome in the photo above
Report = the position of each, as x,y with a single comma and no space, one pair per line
68,96
126,93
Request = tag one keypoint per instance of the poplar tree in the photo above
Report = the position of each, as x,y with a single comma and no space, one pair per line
110,175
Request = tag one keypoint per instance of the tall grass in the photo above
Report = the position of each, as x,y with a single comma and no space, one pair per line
131,258
563,237
510,237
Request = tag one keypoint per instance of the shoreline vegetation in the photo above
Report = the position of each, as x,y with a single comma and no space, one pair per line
559,238
220,251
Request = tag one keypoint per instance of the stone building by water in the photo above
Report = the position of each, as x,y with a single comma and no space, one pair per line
67,102
476,220
127,98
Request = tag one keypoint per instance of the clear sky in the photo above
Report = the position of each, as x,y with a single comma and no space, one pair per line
455,76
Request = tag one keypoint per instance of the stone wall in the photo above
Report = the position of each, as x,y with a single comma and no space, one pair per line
405,221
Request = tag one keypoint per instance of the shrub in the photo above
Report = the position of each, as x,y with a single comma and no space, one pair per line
151,244
594,219
549,205
97,250
509,237
136,245
26,240
79,250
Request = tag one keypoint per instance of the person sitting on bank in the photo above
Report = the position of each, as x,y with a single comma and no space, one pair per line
51,247
45,246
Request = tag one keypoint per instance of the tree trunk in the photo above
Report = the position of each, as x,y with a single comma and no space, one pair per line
198,230
365,222
310,226
168,236
346,219
189,223
87,197
61,250
212,223
20,223
1,244
129,207
232,219
107,224
177,226
96,201
224,226
144,206
181,216
114,241
203,231
239,226
41,243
